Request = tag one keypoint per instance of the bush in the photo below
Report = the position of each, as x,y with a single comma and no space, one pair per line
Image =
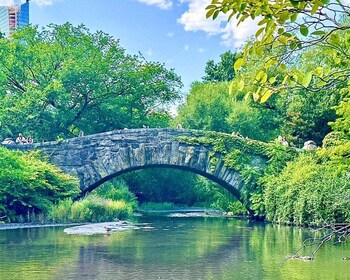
308,192
90,209
29,185
116,190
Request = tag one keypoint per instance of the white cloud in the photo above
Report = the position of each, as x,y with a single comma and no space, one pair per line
43,2
18,2
201,50
194,19
186,47
6,2
231,35
163,4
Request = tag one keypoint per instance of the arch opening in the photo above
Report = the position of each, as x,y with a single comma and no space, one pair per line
232,194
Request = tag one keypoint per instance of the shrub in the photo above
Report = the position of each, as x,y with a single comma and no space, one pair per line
116,190
308,192
29,184
90,209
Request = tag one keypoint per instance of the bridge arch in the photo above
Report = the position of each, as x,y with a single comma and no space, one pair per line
97,158
222,183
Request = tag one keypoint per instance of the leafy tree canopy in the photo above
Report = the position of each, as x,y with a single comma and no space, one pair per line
62,79
223,70
292,26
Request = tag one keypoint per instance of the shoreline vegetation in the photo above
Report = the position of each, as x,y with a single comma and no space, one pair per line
310,188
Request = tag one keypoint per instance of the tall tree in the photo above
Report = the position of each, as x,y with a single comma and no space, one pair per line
61,79
221,71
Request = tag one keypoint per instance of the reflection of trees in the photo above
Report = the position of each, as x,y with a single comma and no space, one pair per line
199,251
33,253
179,248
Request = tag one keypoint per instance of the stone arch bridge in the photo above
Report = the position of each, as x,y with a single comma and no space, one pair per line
97,158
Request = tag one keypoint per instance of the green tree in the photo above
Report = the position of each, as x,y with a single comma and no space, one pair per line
62,79
292,27
207,107
223,70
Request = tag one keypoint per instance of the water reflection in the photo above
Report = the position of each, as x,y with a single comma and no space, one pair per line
177,248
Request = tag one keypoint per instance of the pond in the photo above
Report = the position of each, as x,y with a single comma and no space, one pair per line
174,248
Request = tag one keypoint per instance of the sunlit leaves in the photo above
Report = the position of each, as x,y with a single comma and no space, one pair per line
307,79
291,26
238,64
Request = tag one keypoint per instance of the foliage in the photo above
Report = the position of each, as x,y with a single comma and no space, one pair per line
291,26
116,190
162,185
61,79
29,184
308,192
239,153
223,70
224,143
207,107
90,209
212,195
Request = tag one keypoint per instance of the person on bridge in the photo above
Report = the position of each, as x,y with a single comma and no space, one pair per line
29,140
20,139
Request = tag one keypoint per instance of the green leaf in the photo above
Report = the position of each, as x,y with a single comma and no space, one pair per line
273,79
266,96
325,1
283,67
216,13
294,17
238,64
210,13
334,38
294,3
318,33
259,32
307,79
304,30
231,88
319,71
259,75
240,85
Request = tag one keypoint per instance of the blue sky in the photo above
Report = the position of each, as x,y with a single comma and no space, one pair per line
174,32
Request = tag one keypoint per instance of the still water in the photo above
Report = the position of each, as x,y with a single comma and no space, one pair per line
175,248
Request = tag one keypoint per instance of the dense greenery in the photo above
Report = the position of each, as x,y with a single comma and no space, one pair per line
61,79
57,81
158,185
91,209
221,71
49,89
308,192
293,188
29,185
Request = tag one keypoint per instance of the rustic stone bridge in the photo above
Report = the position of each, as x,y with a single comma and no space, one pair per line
97,158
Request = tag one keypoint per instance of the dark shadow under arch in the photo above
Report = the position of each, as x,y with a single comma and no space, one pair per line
235,192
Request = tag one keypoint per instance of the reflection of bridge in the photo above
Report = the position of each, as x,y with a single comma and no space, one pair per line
95,159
